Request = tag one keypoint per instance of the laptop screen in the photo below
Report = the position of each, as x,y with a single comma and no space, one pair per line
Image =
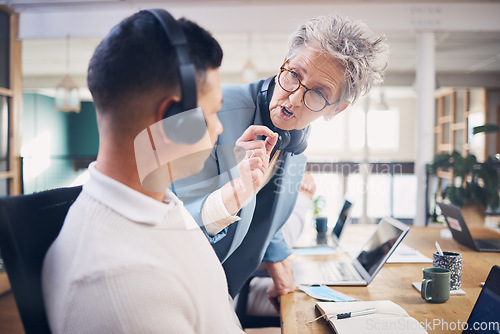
484,317
378,246
344,214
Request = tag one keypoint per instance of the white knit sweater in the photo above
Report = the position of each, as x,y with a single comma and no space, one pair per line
125,263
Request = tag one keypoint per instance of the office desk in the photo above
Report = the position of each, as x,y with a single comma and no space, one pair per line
10,322
393,282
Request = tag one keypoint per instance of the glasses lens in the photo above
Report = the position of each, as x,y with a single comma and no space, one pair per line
288,81
314,101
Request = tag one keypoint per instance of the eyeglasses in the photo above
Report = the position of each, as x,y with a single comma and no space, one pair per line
314,100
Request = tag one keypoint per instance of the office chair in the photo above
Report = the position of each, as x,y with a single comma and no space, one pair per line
28,226
251,321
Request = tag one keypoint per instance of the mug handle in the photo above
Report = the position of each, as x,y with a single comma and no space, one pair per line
423,289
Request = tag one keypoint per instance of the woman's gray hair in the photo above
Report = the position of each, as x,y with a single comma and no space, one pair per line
355,47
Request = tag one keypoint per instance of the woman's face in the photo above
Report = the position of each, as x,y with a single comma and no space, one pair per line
316,71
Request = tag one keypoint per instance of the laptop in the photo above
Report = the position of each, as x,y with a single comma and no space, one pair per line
333,238
361,271
484,316
460,232
311,239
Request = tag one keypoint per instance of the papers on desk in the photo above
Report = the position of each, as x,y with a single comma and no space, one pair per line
445,234
406,254
402,254
389,318
314,251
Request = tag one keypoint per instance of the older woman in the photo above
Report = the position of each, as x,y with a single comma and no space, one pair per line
331,62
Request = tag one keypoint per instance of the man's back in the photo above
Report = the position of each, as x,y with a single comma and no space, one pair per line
133,265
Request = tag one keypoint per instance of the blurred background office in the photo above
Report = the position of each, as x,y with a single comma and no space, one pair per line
443,80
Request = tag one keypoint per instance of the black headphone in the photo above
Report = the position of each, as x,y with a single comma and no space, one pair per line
294,141
189,127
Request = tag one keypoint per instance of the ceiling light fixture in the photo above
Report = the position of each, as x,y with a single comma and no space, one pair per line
249,72
67,96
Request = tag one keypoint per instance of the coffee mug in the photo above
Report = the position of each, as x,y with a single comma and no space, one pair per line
436,285
453,262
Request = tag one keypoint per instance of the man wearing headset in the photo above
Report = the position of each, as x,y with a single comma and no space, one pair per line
330,63
129,257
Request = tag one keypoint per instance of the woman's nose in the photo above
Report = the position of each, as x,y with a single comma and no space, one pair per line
296,98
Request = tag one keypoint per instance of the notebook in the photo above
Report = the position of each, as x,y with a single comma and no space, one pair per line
363,268
460,232
388,318
485,311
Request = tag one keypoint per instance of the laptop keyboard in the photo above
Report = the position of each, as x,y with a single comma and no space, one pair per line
338,271
488,243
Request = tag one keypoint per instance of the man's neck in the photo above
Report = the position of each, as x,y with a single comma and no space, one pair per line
121,166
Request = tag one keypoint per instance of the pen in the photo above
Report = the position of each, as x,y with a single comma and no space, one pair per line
439,249
353,314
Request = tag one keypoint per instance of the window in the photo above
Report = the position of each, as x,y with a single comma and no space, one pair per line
383,130
356,128
338,145
326,138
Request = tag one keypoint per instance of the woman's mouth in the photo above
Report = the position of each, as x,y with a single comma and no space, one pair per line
286,114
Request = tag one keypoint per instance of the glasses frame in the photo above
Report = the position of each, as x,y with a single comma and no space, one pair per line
307,89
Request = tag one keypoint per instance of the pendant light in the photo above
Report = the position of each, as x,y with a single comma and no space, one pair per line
249,72
67,96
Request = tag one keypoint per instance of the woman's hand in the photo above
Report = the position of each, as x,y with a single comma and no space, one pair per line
254,155
283,283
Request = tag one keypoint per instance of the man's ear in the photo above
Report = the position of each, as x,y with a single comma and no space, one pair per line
337,110
165,104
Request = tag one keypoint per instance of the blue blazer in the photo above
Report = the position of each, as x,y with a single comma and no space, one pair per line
257,237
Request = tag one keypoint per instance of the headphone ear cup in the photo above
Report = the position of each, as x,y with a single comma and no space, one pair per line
283,139
298,141
184,127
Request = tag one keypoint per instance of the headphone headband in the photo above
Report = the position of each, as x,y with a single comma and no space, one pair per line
185,70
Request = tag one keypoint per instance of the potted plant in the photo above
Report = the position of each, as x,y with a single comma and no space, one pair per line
474,185
319,203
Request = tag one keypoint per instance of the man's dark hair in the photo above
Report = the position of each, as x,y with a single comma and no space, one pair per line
136,57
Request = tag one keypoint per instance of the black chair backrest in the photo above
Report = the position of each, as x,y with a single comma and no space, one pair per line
252,321
28,226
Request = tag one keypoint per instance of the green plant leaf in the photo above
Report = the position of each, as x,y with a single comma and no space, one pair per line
458,163
494,201
442,160
319,203
479,182
489,176
477,194
486,128
464,166
456,195
469,162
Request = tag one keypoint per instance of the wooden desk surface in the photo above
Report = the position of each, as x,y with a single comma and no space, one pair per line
393,282
10,322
